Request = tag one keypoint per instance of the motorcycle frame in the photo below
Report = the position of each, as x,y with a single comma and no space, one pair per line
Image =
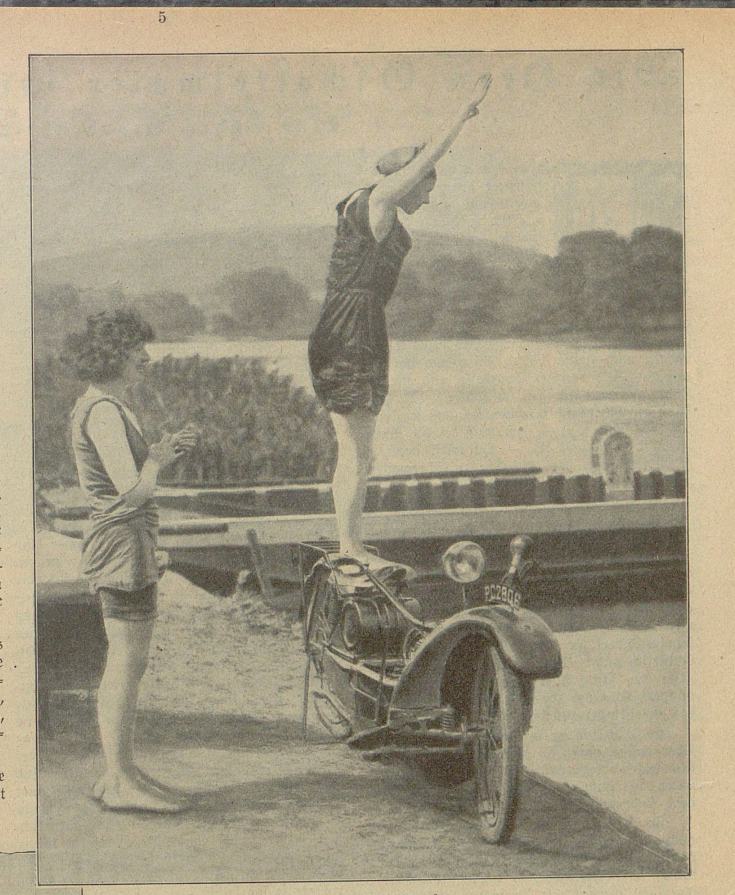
416,722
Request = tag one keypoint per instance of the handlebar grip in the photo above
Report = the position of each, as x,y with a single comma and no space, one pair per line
520,547
520,565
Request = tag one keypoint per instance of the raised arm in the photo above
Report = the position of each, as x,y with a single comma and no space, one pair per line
387,194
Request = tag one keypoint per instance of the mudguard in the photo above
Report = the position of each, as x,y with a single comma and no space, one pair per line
526,641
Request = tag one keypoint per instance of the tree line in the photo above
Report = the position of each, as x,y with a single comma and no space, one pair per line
258,427
599,285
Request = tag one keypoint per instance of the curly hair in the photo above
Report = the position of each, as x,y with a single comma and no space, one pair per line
99,354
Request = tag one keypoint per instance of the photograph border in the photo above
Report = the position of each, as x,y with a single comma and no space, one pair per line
411,880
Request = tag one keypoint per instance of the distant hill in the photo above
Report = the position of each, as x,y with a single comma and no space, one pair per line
193,265
600,286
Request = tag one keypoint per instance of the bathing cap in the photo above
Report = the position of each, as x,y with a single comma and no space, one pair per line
397,158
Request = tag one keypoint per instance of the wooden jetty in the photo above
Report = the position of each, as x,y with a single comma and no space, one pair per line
608,536
581,534
596,532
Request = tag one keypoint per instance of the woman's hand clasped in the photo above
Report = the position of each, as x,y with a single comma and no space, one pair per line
186,439
172,447
163,452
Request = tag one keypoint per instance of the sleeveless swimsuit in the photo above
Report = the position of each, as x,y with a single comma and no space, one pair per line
119,547
348,348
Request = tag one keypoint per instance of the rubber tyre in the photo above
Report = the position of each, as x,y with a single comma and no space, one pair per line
338,726
497,706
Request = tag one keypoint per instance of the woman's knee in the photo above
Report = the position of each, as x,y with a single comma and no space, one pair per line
126,662
128,645
355,442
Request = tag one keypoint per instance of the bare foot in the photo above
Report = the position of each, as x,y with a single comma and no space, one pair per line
372,561
362,558
357,552
383,568
124,794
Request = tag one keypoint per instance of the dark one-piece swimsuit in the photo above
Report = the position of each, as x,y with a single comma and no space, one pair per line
348,348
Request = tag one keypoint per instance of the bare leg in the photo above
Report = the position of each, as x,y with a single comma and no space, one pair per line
127,759
355,433
117,699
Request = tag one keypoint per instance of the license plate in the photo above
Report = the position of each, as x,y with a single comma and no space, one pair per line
499,593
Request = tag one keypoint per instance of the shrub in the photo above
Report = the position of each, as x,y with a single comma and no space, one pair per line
55,389
256,426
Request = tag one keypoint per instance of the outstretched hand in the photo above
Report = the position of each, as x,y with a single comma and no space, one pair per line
478,94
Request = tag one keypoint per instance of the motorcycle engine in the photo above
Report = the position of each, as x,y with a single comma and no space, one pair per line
372,625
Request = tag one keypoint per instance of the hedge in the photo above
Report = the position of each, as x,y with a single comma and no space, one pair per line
256,425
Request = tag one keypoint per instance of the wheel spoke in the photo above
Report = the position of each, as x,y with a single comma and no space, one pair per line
495,724
493,700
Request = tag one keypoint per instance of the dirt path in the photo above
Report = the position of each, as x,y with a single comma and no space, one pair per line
267,809
220,717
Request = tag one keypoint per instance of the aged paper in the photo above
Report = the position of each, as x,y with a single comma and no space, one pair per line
65,53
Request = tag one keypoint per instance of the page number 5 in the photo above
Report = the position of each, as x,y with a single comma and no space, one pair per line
161,16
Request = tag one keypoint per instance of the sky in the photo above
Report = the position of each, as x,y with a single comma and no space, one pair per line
141,147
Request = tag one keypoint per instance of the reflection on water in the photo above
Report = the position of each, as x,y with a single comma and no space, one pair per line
473,404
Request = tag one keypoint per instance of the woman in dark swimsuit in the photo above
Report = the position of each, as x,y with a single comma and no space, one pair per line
348,348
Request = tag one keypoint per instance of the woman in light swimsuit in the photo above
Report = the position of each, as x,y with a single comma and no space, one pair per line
118,472
348,348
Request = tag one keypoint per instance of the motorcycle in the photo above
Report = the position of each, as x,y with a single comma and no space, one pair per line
454,694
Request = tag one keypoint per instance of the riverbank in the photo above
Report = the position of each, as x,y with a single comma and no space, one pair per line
220,716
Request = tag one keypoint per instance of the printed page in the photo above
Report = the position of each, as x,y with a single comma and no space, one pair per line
364,438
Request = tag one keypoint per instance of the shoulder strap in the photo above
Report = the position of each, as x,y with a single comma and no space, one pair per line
355,209
341,206
358,196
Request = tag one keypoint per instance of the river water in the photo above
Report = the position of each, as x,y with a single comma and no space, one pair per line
507,403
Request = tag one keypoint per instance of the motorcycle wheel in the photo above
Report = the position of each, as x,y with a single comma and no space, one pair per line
331,717
497,709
